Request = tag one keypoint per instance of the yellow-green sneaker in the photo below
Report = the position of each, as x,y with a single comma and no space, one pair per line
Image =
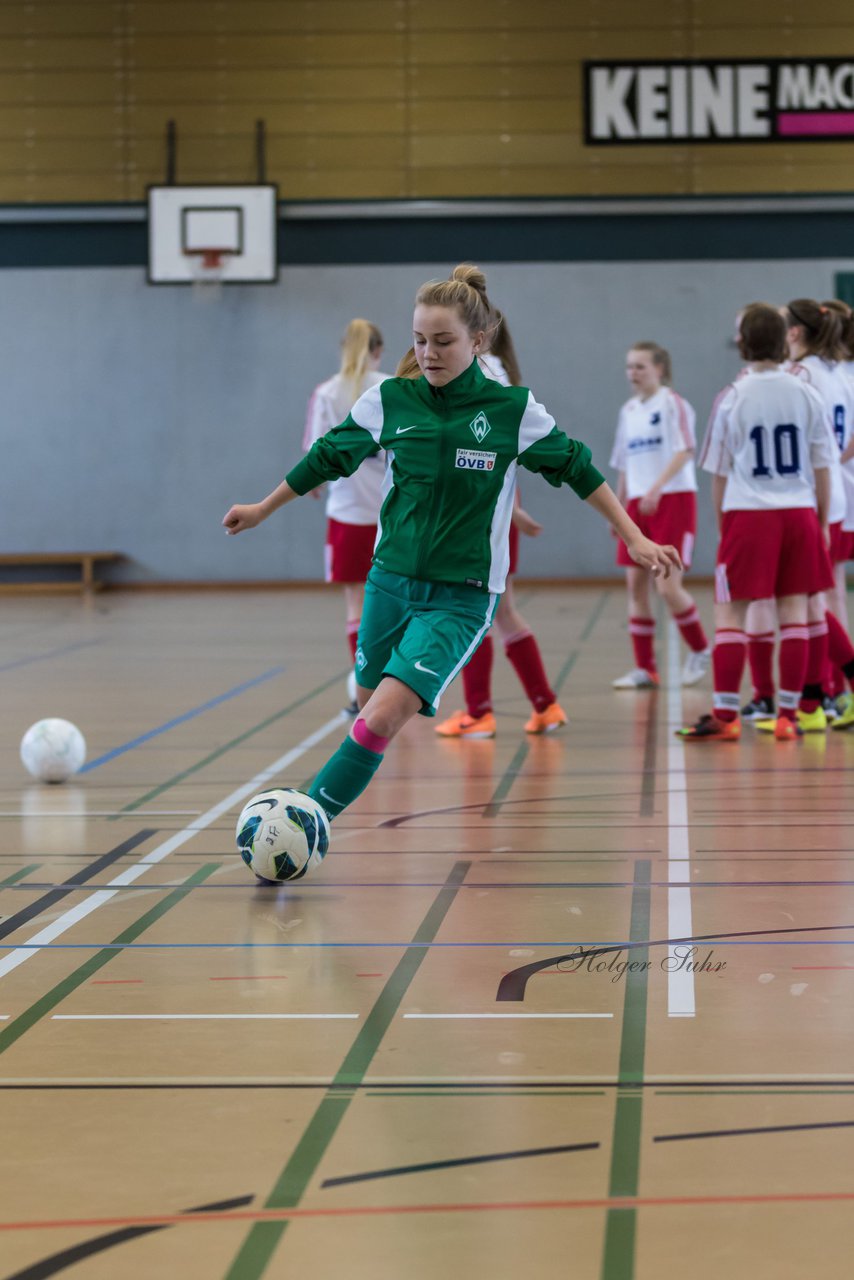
845,716
813,721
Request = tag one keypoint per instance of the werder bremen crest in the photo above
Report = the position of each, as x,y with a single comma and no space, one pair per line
480,427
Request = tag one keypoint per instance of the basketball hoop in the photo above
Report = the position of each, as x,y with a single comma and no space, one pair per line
207,266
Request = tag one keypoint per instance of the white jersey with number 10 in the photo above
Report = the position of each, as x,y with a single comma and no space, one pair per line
767,435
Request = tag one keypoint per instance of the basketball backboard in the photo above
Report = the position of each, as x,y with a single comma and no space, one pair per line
225,234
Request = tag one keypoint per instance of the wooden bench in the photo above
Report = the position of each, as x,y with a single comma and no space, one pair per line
87,560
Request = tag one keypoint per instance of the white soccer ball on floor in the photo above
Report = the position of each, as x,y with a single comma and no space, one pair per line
53,750
282,834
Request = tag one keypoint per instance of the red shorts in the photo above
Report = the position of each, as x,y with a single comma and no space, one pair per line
837,542
674,524
349,550
841,543
771,553
514,549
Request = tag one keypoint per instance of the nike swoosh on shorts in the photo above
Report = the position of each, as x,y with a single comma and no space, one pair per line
402,430
426,670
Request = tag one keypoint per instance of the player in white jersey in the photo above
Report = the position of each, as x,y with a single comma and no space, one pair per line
769,451
841,654
813,340
654,455
353,502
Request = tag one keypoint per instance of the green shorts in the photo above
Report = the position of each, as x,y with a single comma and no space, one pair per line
422,633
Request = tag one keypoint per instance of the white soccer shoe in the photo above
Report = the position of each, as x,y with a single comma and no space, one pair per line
637,679
696,666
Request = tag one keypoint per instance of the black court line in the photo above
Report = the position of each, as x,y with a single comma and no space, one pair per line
65,1258
438,1086
74,882
432,1165
737,1133
512,986
650,748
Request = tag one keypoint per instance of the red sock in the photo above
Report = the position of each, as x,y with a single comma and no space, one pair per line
794,646
816,666
477,680
692,629
840,650
524,653
728,659
353,637
642,631
760,653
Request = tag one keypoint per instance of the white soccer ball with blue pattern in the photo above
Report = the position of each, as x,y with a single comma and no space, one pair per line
52,750
282,834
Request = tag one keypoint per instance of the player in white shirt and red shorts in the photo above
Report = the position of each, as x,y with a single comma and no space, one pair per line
353,502
653,453
769,451
813,339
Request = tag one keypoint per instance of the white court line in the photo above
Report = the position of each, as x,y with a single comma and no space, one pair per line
75,914
189,1017
680,980
508,1015
101,813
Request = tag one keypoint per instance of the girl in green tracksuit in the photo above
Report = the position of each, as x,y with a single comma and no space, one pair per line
454,440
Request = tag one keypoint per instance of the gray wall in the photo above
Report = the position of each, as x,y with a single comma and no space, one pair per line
134,415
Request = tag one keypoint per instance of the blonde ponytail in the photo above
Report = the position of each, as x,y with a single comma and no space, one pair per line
361,341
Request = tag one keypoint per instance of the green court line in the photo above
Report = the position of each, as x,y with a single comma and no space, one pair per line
505,782
595,616
19,875
24,1021
618,1260
227,746
263,1237
514,768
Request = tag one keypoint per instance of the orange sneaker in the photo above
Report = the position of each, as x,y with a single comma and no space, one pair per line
711,729
786,730
462,725
546,721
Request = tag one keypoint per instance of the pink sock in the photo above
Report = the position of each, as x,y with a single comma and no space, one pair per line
642,631
794,644
365,738
692,629
728,659
477,680
524,654
760,653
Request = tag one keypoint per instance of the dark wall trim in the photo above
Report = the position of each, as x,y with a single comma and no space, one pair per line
633,230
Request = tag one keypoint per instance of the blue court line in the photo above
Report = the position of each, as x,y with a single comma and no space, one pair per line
188,715
569,947
52,653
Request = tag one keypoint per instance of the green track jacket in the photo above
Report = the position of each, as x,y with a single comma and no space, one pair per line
453,454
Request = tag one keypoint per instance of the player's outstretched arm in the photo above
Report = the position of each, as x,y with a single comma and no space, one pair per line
246,515
644,552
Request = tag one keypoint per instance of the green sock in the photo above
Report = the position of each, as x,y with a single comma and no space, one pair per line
344,777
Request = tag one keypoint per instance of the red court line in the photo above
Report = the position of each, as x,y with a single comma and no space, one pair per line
499,1206
252,977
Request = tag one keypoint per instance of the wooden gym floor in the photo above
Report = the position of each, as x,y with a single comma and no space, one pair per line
388,1072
